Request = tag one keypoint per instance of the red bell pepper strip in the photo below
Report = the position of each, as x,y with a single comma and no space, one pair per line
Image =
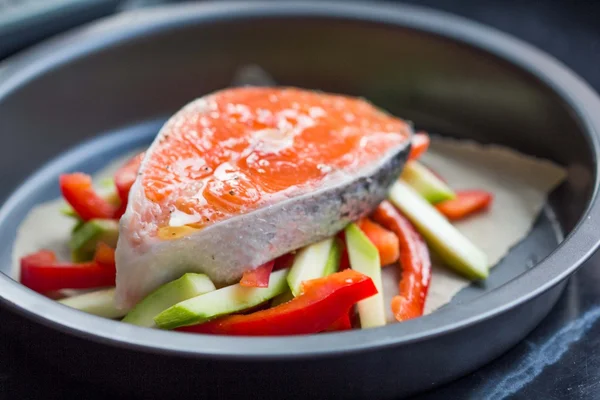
344,258
385,241
124,179
126,176
41,257
284,261
41,272
420,144
415,262
259,276
341,324
466,203
78,191
321,303
120,211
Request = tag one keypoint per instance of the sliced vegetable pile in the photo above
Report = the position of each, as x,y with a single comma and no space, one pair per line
315,289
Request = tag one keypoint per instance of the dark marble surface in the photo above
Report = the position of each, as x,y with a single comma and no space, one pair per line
561,358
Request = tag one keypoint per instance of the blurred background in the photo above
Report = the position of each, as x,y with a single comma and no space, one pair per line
566,29
559,360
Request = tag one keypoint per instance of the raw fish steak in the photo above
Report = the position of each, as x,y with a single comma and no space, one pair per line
244,175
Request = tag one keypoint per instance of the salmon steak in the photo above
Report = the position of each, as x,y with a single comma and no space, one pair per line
241,176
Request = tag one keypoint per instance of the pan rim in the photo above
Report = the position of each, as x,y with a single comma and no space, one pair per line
563,261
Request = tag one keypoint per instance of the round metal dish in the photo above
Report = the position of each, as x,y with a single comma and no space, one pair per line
126,74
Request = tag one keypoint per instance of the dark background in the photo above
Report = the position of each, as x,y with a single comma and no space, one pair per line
560,359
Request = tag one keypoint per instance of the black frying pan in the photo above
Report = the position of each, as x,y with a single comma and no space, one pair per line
122,77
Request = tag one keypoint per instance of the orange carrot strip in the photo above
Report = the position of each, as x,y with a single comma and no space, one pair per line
466,202
386,241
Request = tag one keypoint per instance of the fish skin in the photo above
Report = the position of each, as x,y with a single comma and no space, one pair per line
226,249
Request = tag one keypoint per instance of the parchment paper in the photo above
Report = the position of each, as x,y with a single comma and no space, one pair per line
520,185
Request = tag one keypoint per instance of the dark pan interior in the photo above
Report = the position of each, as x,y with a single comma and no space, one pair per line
440,85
